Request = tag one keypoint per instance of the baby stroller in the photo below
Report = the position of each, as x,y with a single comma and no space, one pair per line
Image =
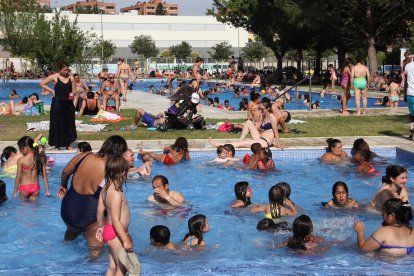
181,114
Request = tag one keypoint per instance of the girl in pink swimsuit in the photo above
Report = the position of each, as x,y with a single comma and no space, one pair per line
29,167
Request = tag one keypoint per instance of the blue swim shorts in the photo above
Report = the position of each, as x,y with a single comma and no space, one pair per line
148,119
410,102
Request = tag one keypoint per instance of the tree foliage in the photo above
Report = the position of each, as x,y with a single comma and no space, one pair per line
89,10
221,51
254,51
160,10
144,45
182,50
167,54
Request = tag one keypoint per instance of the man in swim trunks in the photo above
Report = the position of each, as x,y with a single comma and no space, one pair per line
409,71
110,89
359,76
148,119
162,194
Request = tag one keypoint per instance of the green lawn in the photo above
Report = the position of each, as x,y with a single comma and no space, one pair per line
13,127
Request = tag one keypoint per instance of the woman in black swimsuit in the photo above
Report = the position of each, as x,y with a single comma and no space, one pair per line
62,130
80,202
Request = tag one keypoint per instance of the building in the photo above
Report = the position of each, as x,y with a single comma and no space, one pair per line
201,32
108,8
149,8
43,2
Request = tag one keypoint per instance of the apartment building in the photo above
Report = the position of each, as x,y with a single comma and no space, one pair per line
108,8
149,8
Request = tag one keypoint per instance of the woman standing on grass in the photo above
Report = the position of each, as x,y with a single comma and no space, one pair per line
62,129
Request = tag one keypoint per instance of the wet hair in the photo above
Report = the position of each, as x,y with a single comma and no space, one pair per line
90,95
220,149
392,171
226,101
254,96
255,147
13,92
240,189
401,210
62,64
180,145
113,146
160,235
116,171
210,101
302,227
269,224
39,158
145,157
84,147
365,154
359,144
216,100
332,142
230,148
276,197
7,152
164,180
196,225
286,189
335,187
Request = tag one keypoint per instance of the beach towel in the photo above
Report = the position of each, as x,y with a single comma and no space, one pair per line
80,126
105,116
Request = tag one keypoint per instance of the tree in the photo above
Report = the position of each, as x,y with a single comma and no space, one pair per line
89,10
254,51
160,10
181,51
144,45
104,49
221,51
167,54
194,55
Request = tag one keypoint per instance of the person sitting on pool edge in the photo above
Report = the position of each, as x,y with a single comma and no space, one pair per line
147,119
334,153
160,237
395,236
162,193
340,197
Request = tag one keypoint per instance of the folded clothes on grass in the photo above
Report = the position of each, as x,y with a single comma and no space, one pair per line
80,126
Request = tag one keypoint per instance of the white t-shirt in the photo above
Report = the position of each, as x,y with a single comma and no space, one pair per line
409,70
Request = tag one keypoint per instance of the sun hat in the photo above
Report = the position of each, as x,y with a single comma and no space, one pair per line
195,98
130,261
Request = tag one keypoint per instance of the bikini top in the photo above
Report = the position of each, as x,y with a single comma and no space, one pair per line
266,126
372,169
410,249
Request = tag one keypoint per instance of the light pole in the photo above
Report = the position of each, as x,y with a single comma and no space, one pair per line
238,41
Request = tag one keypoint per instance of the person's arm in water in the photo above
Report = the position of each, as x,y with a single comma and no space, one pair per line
258,208
100,217
66,173
45,180
115,198
173,198
369,244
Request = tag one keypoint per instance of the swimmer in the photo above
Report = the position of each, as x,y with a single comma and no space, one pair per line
222,155
84,147
334,154
113,228
395,236
265,161
173,154
162,193
361,144
251,160
303,238
197,227
363,157
243,193
160,237
29,167
340,197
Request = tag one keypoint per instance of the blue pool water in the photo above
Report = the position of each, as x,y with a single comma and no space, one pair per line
32,233
25,88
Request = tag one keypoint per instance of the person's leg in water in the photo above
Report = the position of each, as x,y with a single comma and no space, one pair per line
95,246
114,265
249,127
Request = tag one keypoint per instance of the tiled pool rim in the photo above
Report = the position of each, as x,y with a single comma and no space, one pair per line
290,154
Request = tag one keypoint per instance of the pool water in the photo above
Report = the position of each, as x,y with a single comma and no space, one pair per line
25,88
32,233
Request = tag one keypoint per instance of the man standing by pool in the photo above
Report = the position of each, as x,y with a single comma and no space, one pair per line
409,71
196,68
359,77
162,193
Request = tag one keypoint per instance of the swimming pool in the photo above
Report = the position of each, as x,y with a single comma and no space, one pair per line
32,233
27,87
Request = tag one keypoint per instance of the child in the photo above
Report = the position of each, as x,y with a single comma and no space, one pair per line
333,77
84,147
323,91
268,224
286,193
197,226
113,201
265,161
363,157
222,155
302,235
394,90
340,197
276,207
251,161
29,167
160,237
243,193
146,168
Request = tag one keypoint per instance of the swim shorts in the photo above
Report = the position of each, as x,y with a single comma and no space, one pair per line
410,102
148,119
109,232
360,83
395,98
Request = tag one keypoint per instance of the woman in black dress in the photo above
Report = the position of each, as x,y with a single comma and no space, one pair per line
62,129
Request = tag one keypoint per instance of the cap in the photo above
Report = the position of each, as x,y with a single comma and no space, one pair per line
195,98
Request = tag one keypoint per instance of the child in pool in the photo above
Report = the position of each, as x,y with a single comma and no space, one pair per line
113,229
340,197
276,207
146,168
303,238
251,160
160,237
197,226
9,158
394,90
363,157
243,193
324,90
29,167
286,193
265,161
222,155
84,147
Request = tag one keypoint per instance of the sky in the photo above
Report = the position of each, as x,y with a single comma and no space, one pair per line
186,7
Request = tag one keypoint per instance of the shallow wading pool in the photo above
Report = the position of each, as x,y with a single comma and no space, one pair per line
32,233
